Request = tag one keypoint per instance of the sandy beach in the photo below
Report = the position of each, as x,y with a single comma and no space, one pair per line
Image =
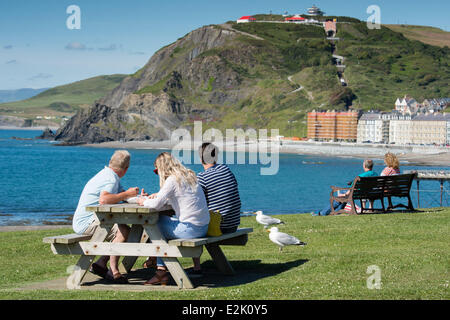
412,155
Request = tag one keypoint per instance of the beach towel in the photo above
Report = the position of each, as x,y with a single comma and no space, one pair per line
348,208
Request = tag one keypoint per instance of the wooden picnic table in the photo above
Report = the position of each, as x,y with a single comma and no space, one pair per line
144,227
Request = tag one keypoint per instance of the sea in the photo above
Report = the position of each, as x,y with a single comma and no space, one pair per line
41,183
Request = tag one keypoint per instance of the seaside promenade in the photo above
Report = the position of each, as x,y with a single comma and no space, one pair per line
412,154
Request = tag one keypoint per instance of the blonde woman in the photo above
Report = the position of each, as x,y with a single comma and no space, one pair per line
392,168
180,189
392,165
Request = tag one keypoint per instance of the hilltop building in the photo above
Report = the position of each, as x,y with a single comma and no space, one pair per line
295,19
330,28
333,125
314,11
245,19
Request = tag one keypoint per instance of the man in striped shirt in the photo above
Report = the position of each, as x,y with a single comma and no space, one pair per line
221,191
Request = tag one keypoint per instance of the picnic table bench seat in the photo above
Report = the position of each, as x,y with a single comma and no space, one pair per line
67,238
240,234
72,244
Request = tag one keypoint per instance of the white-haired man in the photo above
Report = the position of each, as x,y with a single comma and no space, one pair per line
105,188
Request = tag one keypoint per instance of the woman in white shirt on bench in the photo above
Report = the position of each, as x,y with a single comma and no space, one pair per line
179,189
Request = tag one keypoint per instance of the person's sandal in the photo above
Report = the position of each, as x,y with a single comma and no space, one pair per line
161,277
149,263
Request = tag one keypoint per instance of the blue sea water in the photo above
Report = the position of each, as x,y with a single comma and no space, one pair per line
41,182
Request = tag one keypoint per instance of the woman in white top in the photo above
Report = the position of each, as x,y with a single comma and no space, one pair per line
179,189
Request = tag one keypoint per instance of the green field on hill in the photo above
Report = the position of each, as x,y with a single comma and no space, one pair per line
410,249
425,34
63,100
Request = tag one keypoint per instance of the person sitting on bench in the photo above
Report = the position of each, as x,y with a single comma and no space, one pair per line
392,165
368,172
179,189
392,169
105,188
221,191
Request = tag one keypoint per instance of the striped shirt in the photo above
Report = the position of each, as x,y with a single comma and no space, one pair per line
222,194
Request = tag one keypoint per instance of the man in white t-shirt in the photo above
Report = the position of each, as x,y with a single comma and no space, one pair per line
105,188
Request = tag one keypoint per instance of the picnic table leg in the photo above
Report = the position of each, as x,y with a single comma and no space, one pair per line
136,235
219,259
85,261
173,265
177,273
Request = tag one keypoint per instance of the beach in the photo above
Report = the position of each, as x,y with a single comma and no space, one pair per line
408,155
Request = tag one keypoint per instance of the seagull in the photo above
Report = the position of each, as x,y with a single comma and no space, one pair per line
283,239
266,220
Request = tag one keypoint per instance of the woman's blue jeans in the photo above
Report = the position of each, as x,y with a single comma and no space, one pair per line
172,228
336,205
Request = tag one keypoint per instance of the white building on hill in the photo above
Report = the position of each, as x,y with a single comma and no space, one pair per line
314,11
245,19
406,105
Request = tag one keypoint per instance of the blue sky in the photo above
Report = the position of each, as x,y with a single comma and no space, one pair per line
38,50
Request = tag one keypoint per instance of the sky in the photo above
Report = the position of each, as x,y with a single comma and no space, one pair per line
38,50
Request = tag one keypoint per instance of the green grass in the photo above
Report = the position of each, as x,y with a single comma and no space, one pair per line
425,34
411,249
71,96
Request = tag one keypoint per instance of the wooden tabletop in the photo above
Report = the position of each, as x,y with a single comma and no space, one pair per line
128,208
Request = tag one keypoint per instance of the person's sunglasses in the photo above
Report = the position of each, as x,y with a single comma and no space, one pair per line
155,171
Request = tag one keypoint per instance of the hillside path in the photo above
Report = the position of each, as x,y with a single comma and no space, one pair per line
228,27
311,97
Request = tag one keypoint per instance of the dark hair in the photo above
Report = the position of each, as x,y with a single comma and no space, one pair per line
208,153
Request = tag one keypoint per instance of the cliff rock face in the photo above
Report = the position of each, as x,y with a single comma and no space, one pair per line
150,103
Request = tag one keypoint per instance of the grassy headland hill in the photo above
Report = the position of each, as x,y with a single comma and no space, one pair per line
63,100
425,34
262,75
384,64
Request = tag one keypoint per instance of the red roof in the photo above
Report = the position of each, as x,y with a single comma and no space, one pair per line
294,18
247,18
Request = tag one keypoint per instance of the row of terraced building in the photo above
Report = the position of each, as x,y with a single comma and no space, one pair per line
379,127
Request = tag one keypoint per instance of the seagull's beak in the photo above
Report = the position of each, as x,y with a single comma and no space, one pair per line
267,230
253,212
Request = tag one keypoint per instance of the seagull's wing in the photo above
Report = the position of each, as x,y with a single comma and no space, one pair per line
274,239
286,239
268,220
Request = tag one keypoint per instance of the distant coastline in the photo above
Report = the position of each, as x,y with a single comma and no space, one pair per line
38,128
408,155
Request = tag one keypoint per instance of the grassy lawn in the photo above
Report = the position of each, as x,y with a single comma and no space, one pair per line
411,249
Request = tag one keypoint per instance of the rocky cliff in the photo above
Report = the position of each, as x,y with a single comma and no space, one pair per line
152,102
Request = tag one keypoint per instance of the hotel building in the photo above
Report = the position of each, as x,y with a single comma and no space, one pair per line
333,125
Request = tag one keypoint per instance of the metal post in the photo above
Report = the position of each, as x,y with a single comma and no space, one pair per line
418,194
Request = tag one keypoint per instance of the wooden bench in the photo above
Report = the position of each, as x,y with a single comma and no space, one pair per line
374,188
75,244
212,245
